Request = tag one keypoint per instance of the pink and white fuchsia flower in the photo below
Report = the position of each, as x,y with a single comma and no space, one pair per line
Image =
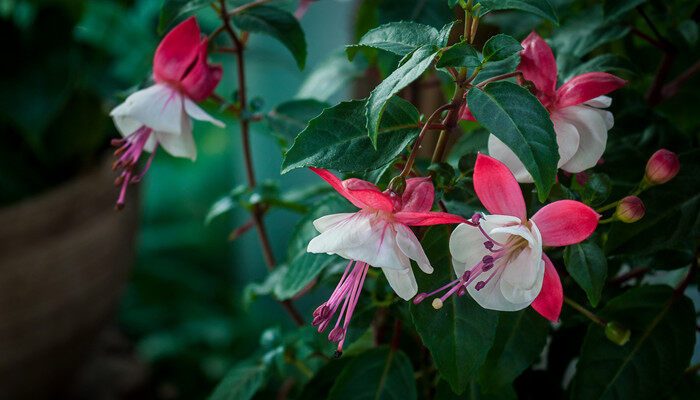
575,108
377,235
498,258
160,114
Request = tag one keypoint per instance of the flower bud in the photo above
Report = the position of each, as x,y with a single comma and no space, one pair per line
397,185
630,209
661,167
617,333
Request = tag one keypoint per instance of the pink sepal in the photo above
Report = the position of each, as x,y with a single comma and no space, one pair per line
497,188
203,78
360,193
418,195
427,218
584,87
176,52
565,222
537,63
551,297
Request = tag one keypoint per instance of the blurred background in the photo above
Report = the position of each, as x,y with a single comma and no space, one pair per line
181,320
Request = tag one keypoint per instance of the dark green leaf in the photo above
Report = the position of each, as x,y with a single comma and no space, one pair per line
520,121
496,68
277,23
378,374
615,8
444,34
597,190
460,55
672,217
319,386
588,266
520,338
171,9
459,334
334,73
650,364
288,119
583,33
542,8
400,38
452,3
473,392
411,70
241,382
500,47
337,139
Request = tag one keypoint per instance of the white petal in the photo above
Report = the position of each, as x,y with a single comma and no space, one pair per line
609,119
491,297
467,242
327,221
567,139
352,232
503,153
158,107
178,145
522,279
194,111
599,102
402,281
593,135
379,248
411,247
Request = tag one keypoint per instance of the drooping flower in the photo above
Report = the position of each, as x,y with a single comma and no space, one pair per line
378,235
498,258
576,110
160,114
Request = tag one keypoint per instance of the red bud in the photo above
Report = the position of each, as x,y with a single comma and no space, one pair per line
630,209
661,167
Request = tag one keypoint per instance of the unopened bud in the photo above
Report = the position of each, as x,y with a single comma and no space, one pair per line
661,167
397,185
617,333
630,209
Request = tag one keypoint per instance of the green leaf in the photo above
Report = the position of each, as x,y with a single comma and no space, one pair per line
452,3
411,70
615,8
496,68
288,119
520,121
400,38
520,338
277,23
473,392
650,364
460,55
672,217
378,374
319,386
334,73
241,382
336,139
459,334
170,10
583,33
588,266
444,34
542,8
500,47
597,190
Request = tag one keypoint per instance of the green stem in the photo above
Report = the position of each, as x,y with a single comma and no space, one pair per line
607,207
608,220
585,312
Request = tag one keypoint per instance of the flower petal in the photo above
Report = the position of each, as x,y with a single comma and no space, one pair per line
565,222
418,195
588,86
592,126
551,297
194,111
491,296
402,281
379,248
328,221
467,241
181,145
537,63
337,184
202,78
410,246
503,153
427,218
567,138
159,107
352,231
522,277
177,51
497,188
599,102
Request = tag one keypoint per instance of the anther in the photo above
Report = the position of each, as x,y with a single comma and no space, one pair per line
336,335
487,260
480,285
475,218
465,276
461,291
487,267
419,297
437,304
488,244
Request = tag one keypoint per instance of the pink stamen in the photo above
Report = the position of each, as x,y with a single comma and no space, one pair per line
129,152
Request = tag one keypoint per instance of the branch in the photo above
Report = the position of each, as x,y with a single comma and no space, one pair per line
419,139
674,86
500,78
246,6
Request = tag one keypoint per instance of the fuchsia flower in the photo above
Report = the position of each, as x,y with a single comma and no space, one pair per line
499,259
377,235
160,114
575,109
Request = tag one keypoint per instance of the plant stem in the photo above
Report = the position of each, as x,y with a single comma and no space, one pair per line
246,7
634,273
607,207
412,157
583,311
608,220
450,122
500,78
250,173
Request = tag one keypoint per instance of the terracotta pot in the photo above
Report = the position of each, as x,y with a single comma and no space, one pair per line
64,260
